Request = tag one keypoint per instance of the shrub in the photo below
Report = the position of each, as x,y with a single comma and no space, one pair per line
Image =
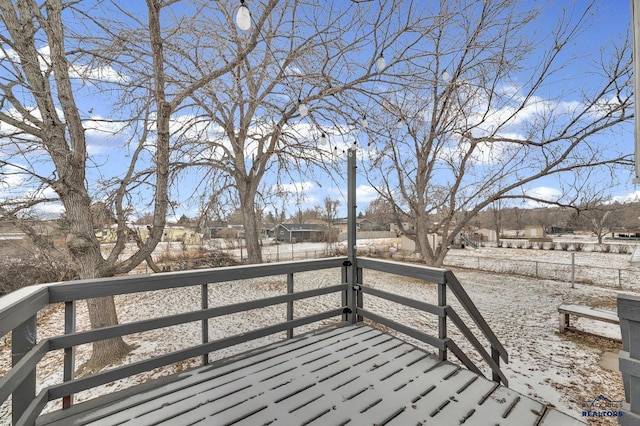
31,269
199,258
578,246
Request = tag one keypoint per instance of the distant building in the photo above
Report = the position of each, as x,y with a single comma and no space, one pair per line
408,227
557,229
298,232
484,234
170,234
533,231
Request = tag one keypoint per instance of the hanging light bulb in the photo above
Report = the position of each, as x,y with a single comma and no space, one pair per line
364,123
399,124
323,139
381,63
302,108
445,76
243,17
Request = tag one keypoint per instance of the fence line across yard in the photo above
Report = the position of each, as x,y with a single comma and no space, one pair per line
602,276
621,278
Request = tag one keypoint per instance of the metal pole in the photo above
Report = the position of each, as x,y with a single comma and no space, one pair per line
352,279
620,278
573,270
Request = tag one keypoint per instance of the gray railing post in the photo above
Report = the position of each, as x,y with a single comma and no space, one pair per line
442,320
69,353
23,339
204,295
629,358
290,304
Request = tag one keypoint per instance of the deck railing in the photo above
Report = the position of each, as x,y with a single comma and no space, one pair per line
19,311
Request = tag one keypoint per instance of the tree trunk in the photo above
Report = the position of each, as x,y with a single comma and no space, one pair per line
251,231
102,313
429,254
85,251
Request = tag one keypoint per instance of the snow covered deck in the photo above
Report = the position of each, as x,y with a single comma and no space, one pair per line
346,374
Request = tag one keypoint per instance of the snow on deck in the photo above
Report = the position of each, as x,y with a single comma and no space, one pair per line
353,374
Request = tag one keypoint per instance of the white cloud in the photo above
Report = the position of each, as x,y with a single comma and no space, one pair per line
365,194
10,177
82,71
543,193
632,197
50,209
293,188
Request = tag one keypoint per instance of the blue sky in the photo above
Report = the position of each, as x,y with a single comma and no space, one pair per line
109,154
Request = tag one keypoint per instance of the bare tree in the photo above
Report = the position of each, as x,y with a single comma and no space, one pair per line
380,211
480,118
496,219
329,214
46,62
296,91
598,217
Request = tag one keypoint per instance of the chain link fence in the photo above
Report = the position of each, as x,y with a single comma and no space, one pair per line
601,276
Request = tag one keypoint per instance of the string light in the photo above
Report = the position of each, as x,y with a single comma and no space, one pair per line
323,139
364,123
381,63
302,108
243,17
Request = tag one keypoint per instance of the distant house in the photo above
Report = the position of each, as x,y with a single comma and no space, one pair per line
408,227
362,224
169,234
485,234
533,231
211,228
297,232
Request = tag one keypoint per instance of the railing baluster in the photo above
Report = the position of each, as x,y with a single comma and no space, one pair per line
290,304
345,298
359,296
495,355
23,339
69,353
442,319
204,294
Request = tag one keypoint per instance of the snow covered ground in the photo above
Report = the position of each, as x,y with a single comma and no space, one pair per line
561,370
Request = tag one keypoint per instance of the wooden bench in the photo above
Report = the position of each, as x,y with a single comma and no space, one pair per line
565,311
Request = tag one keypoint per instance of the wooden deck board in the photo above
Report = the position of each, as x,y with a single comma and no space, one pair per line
351,374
